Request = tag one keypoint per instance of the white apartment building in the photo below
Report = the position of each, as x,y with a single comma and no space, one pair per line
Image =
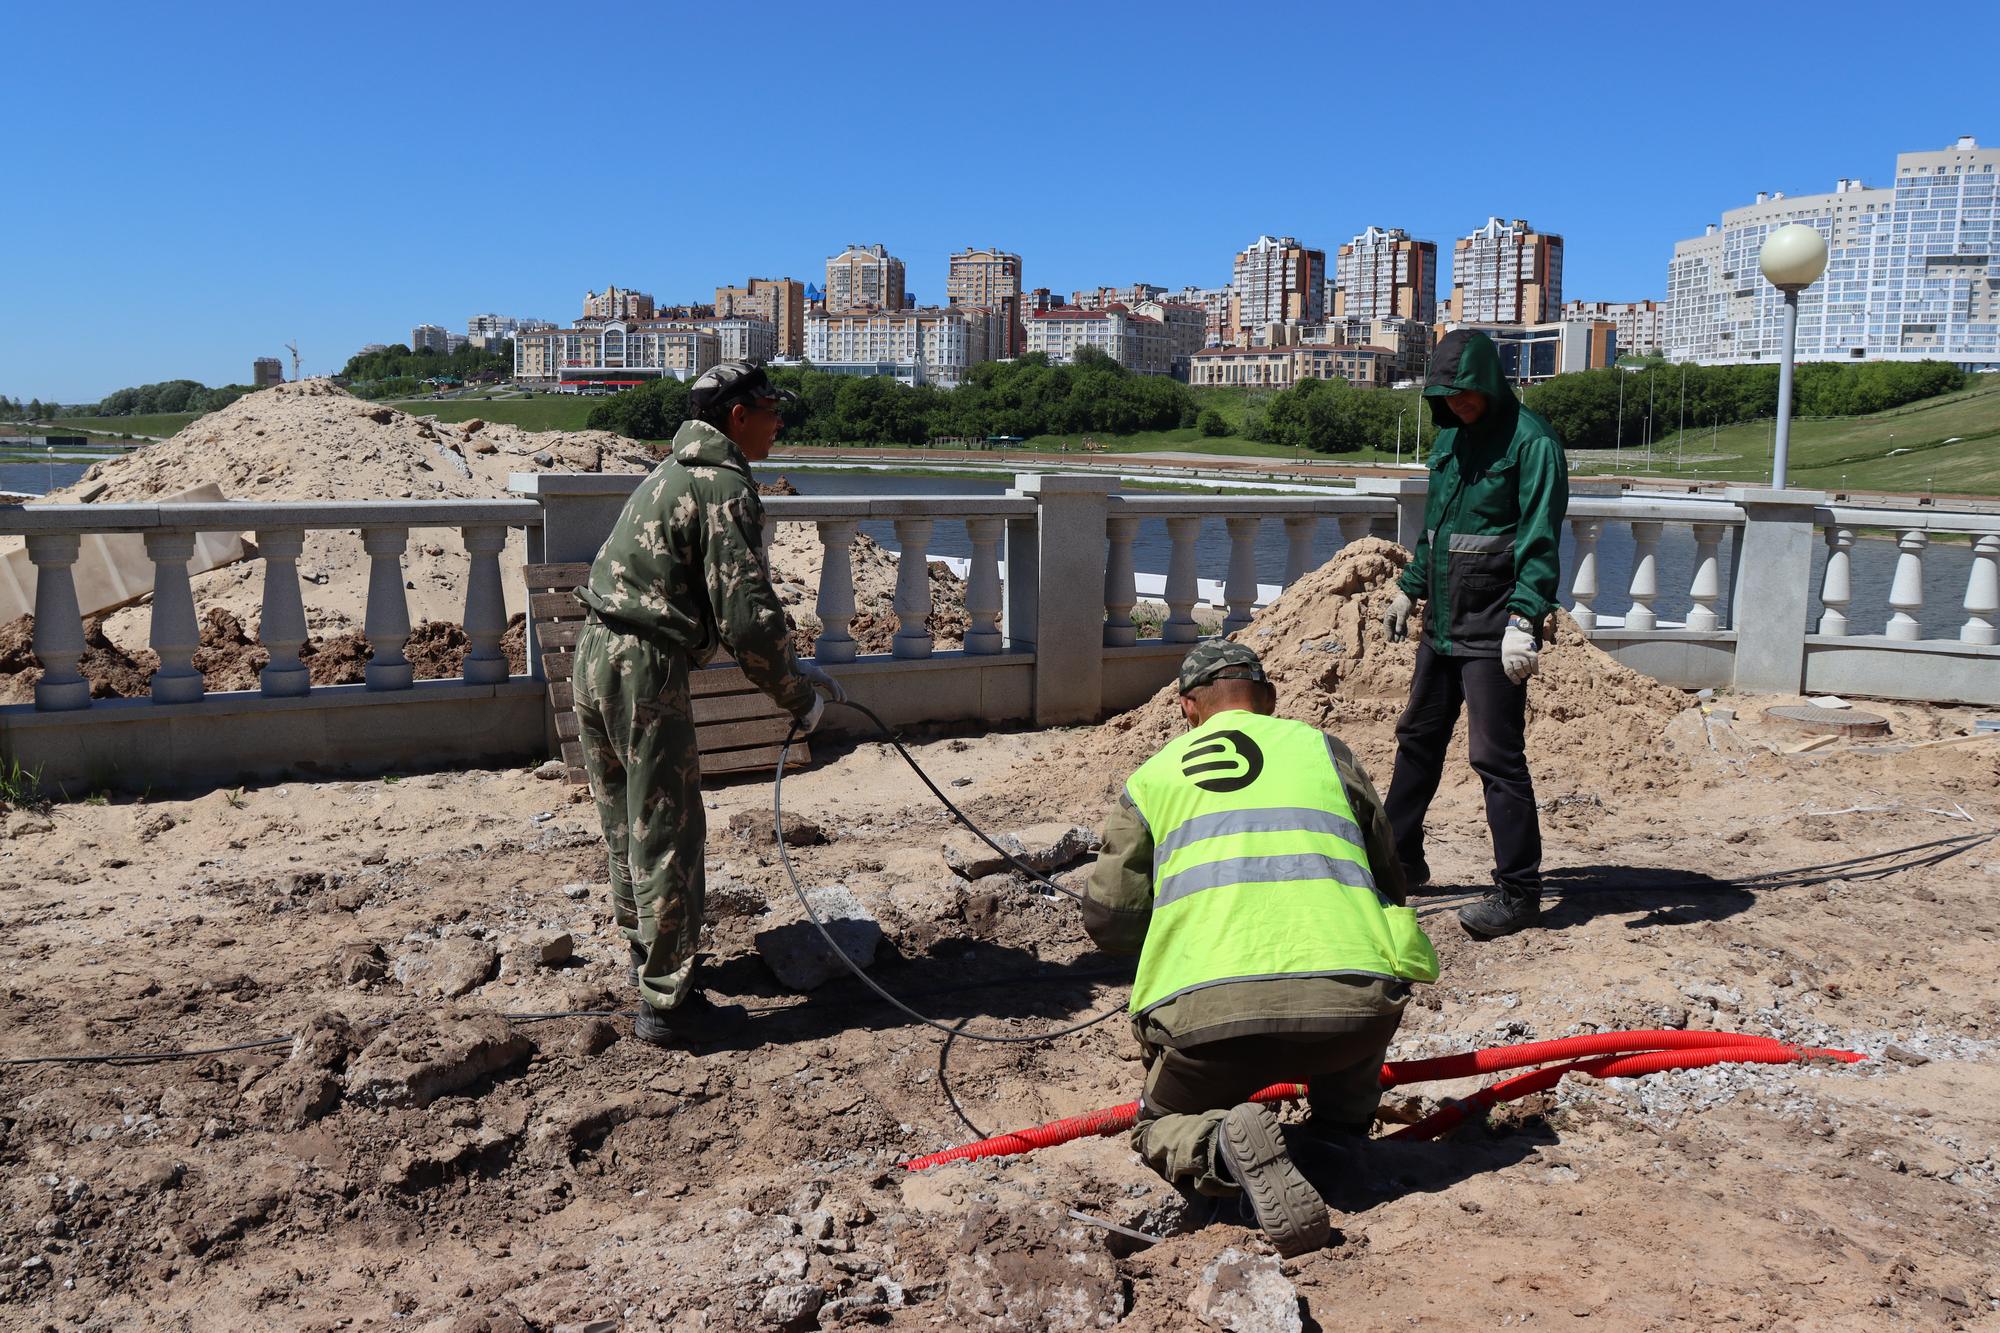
613,353
1913,271
931,345
738,337
1282,366
1641,324
1136,342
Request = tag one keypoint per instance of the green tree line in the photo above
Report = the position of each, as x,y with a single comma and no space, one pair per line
1024,397
1585,408
142,400
397,371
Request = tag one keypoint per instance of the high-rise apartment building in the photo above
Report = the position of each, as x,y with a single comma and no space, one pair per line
1216,303
990,279
1383,274
266,371
929,345
435,337
1277,281
1641,324
1506,273
1186,325
1913,271
864,277
1097,298
779,301
618,303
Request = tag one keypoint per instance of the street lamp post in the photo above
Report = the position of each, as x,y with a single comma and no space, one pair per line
1793,257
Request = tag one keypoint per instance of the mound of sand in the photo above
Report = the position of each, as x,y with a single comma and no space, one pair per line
1594,727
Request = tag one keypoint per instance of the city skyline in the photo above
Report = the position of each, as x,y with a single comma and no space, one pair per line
298,197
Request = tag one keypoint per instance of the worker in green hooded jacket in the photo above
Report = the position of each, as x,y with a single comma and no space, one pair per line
1486,570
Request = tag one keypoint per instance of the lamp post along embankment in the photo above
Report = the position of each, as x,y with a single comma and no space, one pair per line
1793,258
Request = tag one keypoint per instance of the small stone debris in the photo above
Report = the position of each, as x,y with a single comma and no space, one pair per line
1246,1293
755,826
545,458
552,770
1903,1055
421,1057
548,948
792,1306
576,893
360,964
1043,848
460,966
797,953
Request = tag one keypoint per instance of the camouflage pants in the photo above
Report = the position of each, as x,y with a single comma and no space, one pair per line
636,725
1188,1091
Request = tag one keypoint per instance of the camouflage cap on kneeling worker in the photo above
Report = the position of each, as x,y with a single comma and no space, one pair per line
1219,659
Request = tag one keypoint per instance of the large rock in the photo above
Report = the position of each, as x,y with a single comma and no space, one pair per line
1246,1293
422,1057
1031,1269
462,965
796,952
1043,848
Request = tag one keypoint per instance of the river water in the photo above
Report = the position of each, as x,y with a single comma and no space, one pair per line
1946,564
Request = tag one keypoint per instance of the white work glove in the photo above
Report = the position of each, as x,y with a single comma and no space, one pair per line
822,682
1520,653
1396,618
810,718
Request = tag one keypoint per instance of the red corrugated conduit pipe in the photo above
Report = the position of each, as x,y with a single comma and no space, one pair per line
1598,1054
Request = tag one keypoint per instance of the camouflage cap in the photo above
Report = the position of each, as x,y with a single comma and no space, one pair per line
731,381
1219,659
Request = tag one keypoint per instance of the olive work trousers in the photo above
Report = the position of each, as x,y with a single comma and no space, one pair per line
636,725
1189,1090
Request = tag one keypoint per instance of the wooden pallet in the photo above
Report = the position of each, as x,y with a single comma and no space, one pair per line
736,725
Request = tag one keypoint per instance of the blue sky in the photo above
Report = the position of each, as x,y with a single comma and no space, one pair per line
195,185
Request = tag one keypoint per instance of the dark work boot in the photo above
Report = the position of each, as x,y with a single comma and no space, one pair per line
695,1019
1288,1209
1501,912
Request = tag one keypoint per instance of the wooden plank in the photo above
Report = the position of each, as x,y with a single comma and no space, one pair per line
726,735
718,680
559,578
572,753
558,666
561,696
555,606
764,756
566,724
734,707
562,634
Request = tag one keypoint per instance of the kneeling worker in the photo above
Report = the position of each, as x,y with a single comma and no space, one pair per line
682,573
1250,867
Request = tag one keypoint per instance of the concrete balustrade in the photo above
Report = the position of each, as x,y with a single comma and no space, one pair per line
1298,546
1583,586
282,627
982,589
175,632
1121,592
1837,585
58,623
1706,588
387,623
1182,594
1645,576
1982,592
1906,593
835,607
913,589
485,604
1240,592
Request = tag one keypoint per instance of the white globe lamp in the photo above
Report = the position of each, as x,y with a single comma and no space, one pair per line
1793,258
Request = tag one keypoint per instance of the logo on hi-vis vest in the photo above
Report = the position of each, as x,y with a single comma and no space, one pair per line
1233,757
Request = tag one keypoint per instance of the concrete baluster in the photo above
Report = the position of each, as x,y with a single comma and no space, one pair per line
175,633
1706,589
913,589
1353,527
58,624
1906,592
1645,576
1583,588
982,592
1240,589
836,591
1120,592
282,627
1982,591
1837,586
1182,593
485,604
387,622
1298,546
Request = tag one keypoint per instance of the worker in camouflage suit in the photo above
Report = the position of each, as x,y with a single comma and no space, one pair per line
682,574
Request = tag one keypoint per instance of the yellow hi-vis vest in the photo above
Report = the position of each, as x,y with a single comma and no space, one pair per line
1259,869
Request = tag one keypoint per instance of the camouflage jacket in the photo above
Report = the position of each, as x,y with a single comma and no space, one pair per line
684,566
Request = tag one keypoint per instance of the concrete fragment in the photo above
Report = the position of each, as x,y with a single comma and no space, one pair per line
1030,1268
731,897
546,948
1902,1055
797,953
792,1306
359,964
462,965
423,1056
552,770
576,893
1043,848
1246,1294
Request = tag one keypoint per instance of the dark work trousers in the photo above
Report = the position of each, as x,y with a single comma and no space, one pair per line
1498,709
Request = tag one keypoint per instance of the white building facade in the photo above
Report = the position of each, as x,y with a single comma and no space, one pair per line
1641,325
1137,342
613,353
1913,271
931,345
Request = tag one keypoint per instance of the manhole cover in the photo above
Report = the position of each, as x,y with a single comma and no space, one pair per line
1829,721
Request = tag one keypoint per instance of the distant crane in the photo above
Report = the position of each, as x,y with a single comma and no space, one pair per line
293,348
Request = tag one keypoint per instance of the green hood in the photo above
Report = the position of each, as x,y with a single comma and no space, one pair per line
1466,359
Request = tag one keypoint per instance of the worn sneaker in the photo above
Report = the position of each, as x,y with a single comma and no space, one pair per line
1289,1210
1501,912
695,1019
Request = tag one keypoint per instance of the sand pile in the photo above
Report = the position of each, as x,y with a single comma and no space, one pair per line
1594,727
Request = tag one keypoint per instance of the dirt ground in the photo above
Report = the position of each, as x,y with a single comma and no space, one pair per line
412,1161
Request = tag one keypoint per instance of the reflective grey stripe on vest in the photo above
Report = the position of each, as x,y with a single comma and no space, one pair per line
1273,819
1336,974
1476,541
1264,870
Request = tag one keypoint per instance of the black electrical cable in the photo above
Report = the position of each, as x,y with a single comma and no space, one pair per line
784,858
